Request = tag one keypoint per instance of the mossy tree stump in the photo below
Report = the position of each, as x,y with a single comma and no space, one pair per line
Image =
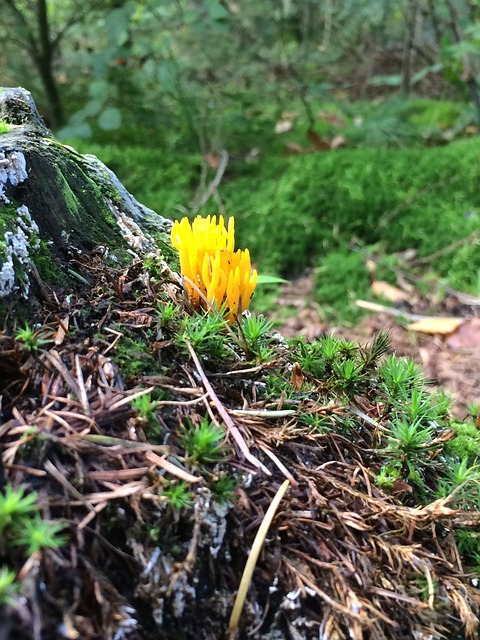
56,204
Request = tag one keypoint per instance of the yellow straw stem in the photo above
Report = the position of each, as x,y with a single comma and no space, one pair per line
252,559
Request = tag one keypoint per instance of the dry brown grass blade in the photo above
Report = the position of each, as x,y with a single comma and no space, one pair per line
303,579
52,470
91,515
116,492
59,419
279,464
54,358
39,473
117,335
118,474
462,601
182,403
81,386
122,444
163,463
62,330
252,560
65,413
234,431
128,399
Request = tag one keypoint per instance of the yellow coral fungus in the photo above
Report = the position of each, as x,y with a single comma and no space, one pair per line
210,264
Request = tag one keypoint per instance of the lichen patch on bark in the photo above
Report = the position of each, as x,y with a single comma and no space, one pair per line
16,246
13,170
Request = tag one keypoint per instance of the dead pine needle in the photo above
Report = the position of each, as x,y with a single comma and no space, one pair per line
252,560
234,432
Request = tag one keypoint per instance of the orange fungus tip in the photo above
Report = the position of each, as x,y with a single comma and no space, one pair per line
210,264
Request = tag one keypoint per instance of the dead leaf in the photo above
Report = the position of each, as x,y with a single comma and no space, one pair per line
135,318
233,7
407,255
289,115
337,141
283,126
212,160
467,336
371,266
317,141
436,326
340,94
296,149
62,330
399,486
388,291
252,155
331,118
354,520
297,376
170,467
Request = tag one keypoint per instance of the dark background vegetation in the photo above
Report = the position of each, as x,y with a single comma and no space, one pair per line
314,123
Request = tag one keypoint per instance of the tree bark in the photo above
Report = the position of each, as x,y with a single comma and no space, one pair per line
468,75
57,204
408,47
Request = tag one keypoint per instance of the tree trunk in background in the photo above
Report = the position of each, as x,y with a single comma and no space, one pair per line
41,49
468,75
45,66
408,48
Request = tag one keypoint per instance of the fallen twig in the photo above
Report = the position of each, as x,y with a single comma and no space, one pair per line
234,431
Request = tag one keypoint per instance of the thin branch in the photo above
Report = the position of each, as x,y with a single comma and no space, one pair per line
21,19
473,237
76,18
213,186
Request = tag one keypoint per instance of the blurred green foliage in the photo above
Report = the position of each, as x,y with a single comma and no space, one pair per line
104,66
292,212
160,90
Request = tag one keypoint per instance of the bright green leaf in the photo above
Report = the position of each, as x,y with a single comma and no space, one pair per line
270,280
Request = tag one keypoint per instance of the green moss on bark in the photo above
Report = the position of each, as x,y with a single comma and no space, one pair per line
4,127
49,269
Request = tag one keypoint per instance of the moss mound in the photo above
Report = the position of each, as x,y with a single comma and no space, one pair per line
423,199
292,212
